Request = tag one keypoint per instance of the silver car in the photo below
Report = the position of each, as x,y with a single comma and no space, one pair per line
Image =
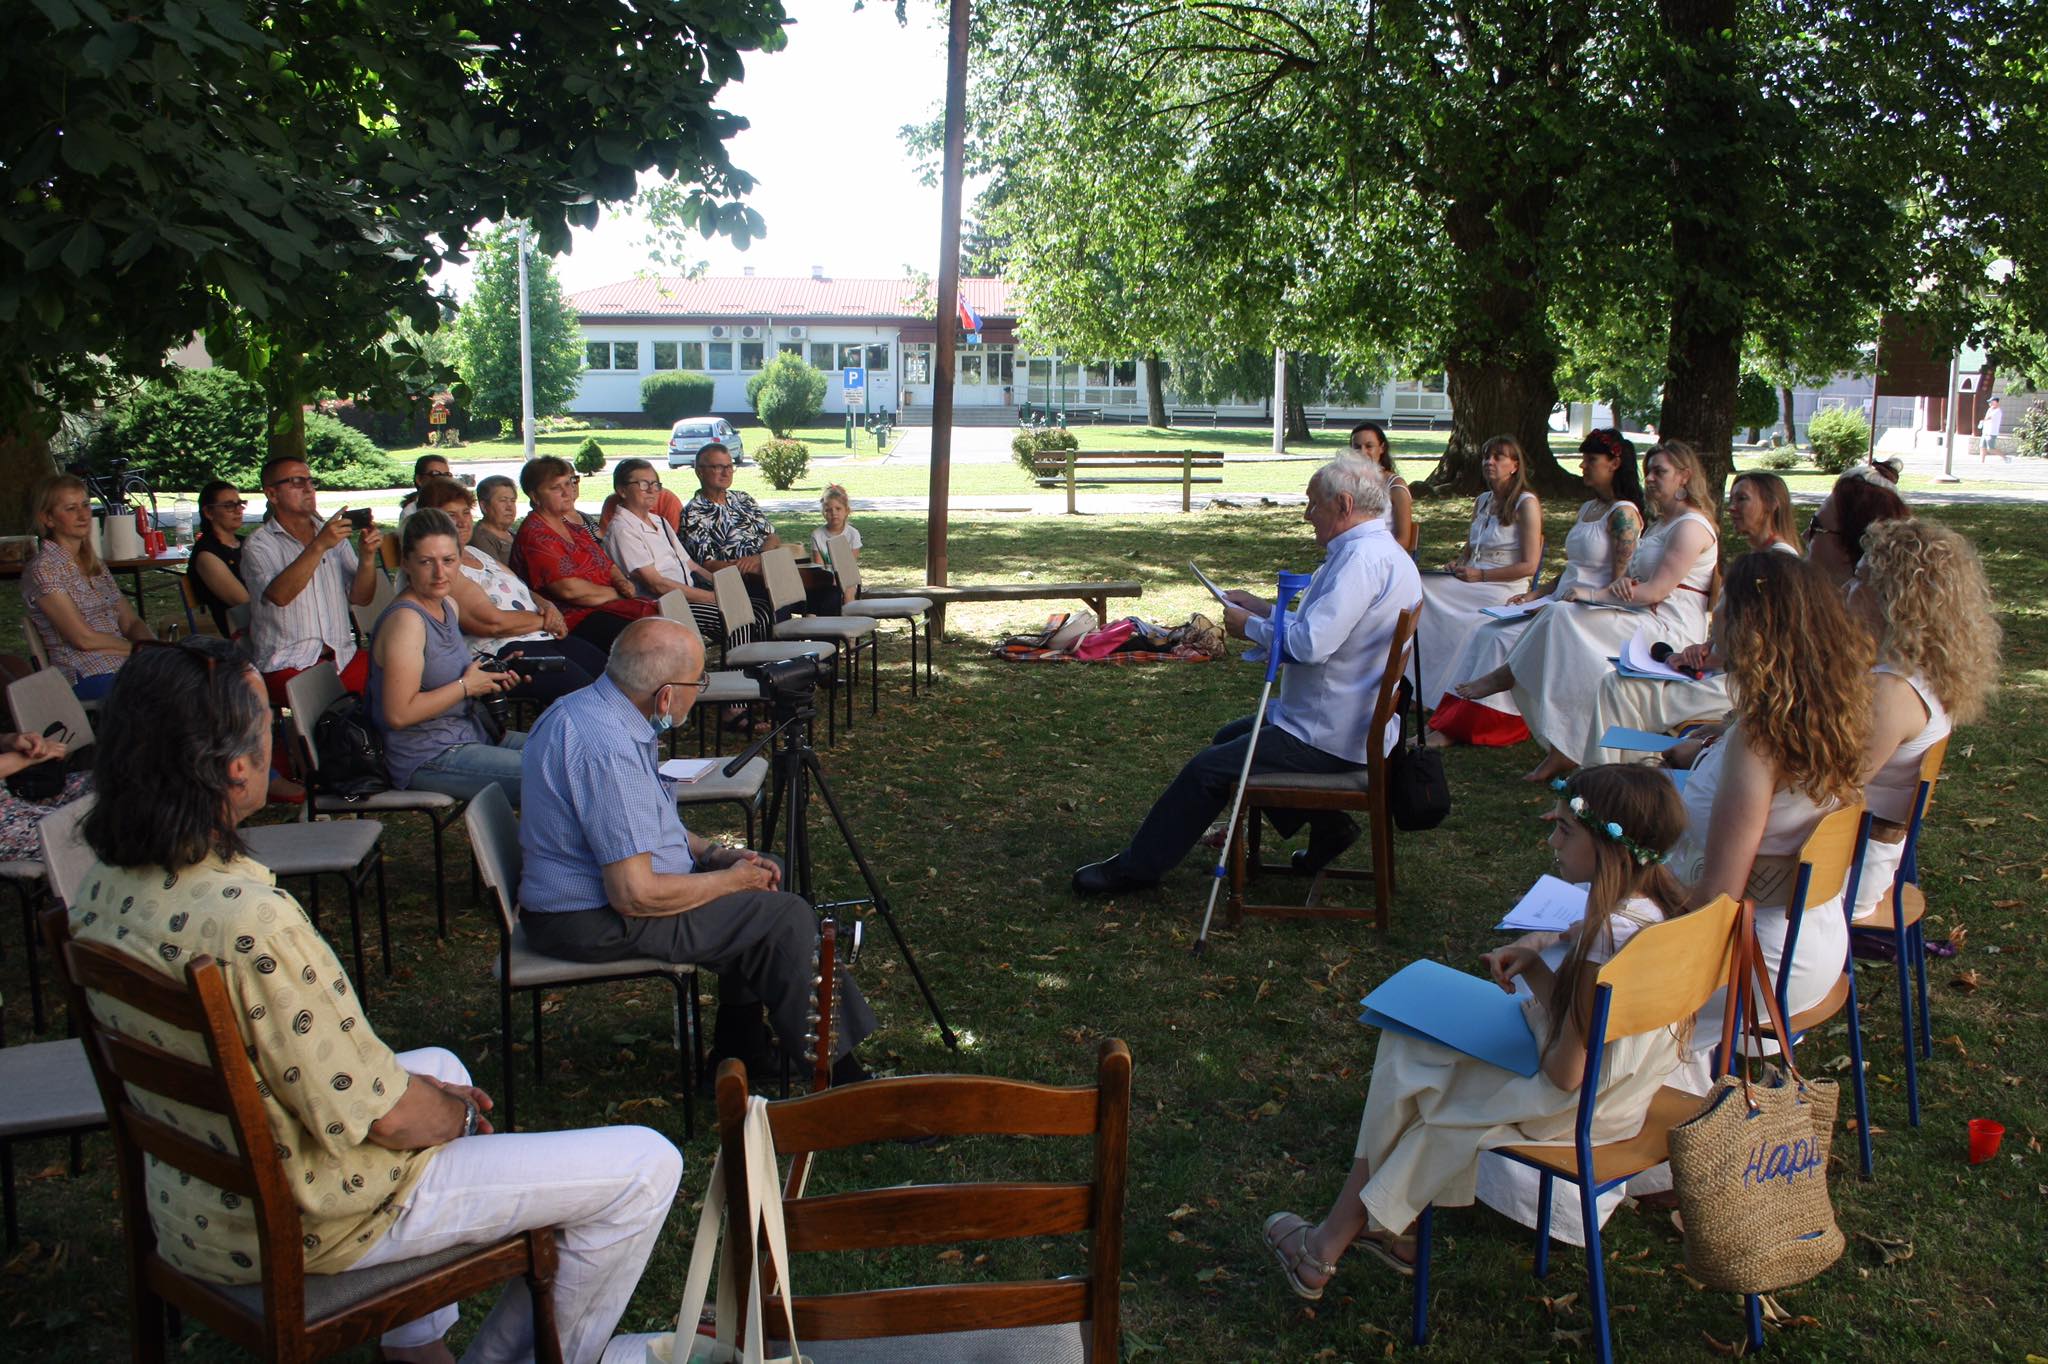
692,434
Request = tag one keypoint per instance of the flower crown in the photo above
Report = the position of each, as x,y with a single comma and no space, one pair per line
1606,828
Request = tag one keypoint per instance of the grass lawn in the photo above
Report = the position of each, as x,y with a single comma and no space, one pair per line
975,802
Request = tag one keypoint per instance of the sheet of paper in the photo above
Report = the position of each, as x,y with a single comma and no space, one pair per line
1550,906
1214,590
1638,740
1430,1000
687,769
1527,608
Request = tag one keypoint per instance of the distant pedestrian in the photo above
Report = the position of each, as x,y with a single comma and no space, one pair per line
1987,432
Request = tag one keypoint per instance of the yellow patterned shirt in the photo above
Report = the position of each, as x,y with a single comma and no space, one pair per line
322,1071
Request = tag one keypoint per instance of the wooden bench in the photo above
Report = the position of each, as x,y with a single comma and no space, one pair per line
1096,595
1172,466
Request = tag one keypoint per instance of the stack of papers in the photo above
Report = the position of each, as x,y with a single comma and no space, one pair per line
1635,661
687,770
1429,1000
1527,608
1549,906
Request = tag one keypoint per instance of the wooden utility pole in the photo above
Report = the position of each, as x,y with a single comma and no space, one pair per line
951,174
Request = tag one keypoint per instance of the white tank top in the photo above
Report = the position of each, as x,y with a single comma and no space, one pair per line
1494,543
1894,786
1588,551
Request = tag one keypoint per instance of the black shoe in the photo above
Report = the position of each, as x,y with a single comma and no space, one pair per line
1323,850
1107,877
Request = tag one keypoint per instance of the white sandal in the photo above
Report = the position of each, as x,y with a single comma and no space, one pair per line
1291,1268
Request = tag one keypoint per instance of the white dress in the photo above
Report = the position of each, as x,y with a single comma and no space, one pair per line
1431,1111
1560,659
1450,607
1588,563
1891,792
1387,517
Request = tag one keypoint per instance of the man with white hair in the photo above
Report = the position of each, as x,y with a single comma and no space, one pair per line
1336,642
610,872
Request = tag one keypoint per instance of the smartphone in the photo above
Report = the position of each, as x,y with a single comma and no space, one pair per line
359,518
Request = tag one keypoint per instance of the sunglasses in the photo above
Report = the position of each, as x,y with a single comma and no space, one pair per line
1814,527
237,505
298,481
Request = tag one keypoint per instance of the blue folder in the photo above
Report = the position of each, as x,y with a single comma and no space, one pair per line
1428,999
1638,740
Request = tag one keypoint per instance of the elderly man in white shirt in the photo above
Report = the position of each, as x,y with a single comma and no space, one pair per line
302,577
1336,642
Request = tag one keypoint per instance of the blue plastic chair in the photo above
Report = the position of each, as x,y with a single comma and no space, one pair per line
1660,979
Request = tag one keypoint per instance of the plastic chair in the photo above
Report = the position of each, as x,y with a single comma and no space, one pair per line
1364,789
846,569
285,1314
43,703
843,632
494,835
311,694
1074,1317
365,617
50,1093
736,609
1659,979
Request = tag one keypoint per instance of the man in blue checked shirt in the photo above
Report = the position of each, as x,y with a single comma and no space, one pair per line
1337,641
610,872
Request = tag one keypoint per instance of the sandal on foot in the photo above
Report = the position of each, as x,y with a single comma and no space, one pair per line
1282,1227
1384,1247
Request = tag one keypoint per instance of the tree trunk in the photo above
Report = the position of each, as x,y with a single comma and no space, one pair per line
1155,391
288,430
1297,412
24,458
1791,425
1709,230
1490,399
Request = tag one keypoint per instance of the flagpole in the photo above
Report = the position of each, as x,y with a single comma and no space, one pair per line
951,174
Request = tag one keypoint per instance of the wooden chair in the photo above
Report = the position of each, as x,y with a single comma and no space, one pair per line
847,634
1898,916
845,564
1658,980
737,610
1365,789
285,1314
888,1324
494,834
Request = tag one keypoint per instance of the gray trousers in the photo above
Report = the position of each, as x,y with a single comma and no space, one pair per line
762,944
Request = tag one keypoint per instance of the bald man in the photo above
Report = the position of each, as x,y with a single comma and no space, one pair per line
610,871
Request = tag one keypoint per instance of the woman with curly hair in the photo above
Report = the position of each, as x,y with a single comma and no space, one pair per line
1921,587
1799,672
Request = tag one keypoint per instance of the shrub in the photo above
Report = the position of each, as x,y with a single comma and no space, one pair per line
1839,438
1756,403
346,460
589,457
203,424
1031,445
672,395
783,462
2030,432
786,394
1782,457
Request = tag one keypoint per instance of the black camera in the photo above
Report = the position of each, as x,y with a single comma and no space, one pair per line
787,680
524,666
359,518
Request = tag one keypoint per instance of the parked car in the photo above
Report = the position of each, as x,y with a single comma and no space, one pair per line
692,434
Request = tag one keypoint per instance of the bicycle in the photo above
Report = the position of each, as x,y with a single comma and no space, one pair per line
120,489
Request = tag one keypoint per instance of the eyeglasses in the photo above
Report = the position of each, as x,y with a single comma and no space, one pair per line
698,685
568,481
714,468
1814,527
643,483
236,505
297,481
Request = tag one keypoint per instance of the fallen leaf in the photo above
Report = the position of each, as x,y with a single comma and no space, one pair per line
1211,1275
1998,904
1980,821
1183,1211
952,1257
1724,1348
1269,1109
1968,981
1894,1250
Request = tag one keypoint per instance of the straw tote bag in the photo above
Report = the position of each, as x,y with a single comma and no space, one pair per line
1751,1167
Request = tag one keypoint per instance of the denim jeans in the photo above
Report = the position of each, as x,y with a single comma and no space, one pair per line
466,769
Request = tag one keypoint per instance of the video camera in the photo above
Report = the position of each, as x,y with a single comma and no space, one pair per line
787,682
495,703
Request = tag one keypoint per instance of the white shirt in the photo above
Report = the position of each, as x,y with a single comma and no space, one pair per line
292,636
502,589
821,535
1993,423
636,543
1337,642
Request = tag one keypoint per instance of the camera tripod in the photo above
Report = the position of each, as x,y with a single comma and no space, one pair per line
793,769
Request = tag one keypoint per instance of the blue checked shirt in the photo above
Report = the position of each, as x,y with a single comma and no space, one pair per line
590,795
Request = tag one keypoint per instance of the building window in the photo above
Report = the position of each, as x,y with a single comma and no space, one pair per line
821,356
878,359
971,360
721,355
664,355
690,354
1002,365
611,355
917,362
1429,394
750,355
851,356
795,348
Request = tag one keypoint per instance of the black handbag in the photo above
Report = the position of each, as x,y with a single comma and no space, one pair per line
44,781
1418,792
351,756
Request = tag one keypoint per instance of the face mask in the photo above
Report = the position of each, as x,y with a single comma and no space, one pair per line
662,722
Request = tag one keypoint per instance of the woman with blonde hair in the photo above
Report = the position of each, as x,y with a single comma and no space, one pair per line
1502,551
1760,509
1431,1112
1556,667
77,610
1922,588
1799,674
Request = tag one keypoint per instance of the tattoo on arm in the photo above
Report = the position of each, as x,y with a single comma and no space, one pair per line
1624,529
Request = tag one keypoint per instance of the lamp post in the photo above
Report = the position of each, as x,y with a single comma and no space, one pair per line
525,348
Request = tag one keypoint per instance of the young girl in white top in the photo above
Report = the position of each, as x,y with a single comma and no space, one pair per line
1430,1111
836,508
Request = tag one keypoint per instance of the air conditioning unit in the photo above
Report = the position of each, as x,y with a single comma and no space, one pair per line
752,333
720,333
795,333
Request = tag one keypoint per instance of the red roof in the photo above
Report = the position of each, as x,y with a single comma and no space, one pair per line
760,298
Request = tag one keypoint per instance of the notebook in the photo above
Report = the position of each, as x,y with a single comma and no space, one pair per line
687,769
1638,740
1550,906
1429,1000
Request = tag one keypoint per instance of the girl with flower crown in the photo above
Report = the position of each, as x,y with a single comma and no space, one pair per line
1431,1112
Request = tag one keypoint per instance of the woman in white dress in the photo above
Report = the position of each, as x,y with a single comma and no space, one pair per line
1602,541
1369,442
1502,552
1799,671
1556,667
1922,588
1431,1111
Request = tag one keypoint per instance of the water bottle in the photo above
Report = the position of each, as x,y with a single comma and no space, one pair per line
183,522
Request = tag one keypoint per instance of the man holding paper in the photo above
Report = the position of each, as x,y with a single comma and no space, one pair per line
1336,650
610,872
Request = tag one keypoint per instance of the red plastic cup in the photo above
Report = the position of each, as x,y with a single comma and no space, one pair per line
1984,1138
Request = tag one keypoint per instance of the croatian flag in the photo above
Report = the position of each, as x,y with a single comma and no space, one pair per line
970,321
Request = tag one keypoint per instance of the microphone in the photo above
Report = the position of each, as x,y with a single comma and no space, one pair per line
1661,652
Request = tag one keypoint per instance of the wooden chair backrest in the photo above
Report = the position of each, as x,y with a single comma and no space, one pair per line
1666,972
66,858
733,604
225,1087
785,584
387,551
309,694
1829,851
1414,536
1930,773
1399,650
928,1214
494,838
845,565
43,699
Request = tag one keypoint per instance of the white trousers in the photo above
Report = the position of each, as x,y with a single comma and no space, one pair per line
606,1190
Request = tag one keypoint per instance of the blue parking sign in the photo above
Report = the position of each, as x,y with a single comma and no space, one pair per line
853,376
